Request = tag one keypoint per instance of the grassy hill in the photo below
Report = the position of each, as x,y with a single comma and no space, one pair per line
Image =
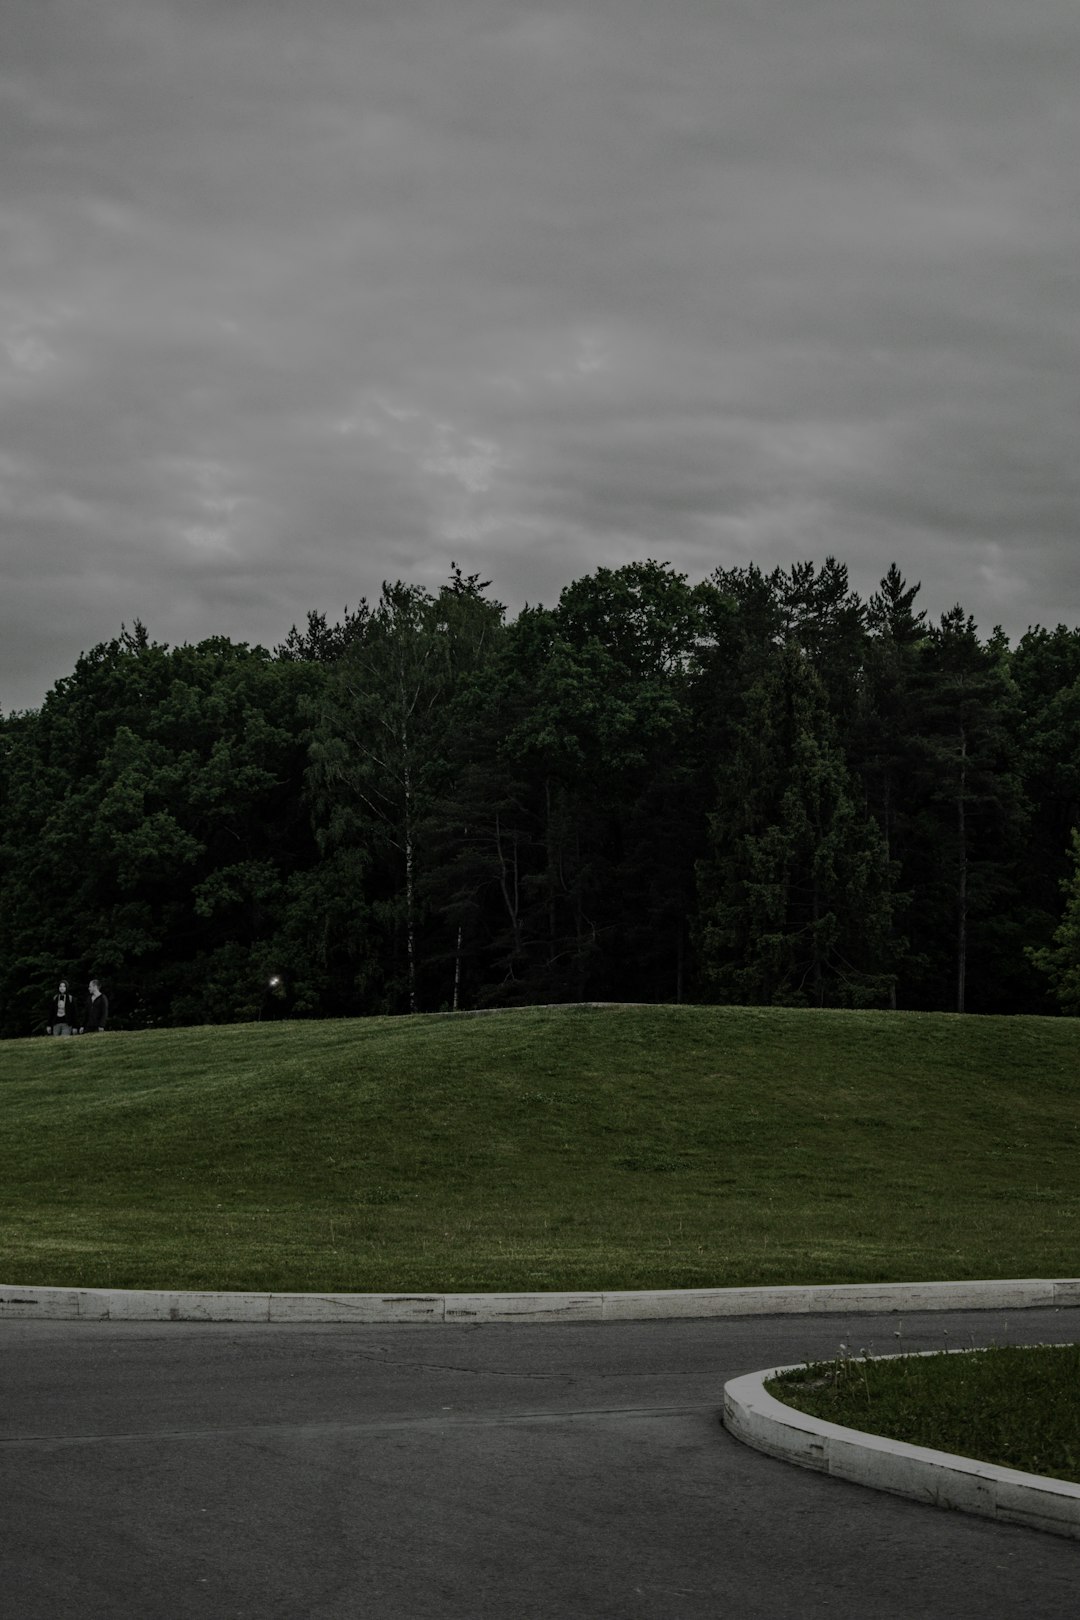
582,1147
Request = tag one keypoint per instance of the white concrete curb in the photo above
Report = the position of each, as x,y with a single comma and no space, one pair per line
935,1477
118,1304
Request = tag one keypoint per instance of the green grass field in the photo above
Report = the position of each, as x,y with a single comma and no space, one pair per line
1015,1405
585,1148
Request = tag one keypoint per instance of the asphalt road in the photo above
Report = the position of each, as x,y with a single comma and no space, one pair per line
520,1472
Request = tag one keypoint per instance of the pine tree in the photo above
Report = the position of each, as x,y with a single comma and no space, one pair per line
795,896
967,812
1060,961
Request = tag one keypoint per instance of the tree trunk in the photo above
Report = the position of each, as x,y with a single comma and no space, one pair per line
550,840
509,885
410,890
962,885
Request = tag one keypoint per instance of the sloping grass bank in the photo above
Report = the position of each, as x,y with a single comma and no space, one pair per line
591,1148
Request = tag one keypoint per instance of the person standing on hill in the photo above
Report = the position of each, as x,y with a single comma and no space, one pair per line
96,1013
63,1018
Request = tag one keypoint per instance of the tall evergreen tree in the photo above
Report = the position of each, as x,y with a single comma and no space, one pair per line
969,813
822,614
884,741
1060,959
1046,671
795,894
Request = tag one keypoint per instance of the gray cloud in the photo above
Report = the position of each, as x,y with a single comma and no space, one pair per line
298,299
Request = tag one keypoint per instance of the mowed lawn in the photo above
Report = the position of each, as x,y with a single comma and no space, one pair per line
1014,1405
578,1147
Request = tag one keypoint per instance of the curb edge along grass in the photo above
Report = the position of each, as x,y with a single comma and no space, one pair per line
162,1305
937,1478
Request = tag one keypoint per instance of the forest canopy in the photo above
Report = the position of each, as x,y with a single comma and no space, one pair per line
755,789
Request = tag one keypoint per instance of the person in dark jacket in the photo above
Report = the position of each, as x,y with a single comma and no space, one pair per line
63,1012
96,1012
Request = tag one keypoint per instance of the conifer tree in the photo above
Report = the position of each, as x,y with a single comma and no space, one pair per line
1060,960
968,810
795,895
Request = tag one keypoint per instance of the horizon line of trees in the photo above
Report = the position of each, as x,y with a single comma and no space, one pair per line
756,789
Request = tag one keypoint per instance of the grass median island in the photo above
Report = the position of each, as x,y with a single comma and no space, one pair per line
1017,1406
576,1148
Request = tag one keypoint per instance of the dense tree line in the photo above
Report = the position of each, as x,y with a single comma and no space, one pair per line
759,788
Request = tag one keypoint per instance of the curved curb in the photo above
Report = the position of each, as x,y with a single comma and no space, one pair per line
136,1305
935,1477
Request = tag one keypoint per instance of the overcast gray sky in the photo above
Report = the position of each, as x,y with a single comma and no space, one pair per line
298,297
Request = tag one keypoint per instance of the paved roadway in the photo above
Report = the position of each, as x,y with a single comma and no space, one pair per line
519,1472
